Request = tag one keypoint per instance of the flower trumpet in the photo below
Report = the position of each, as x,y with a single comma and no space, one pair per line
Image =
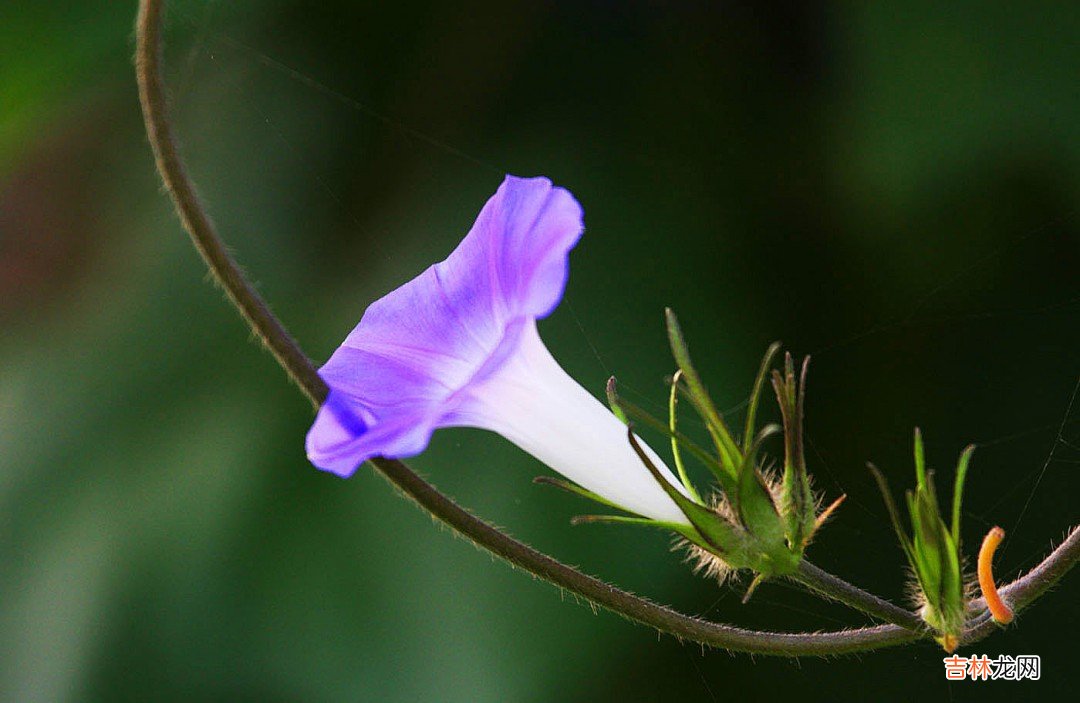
458,346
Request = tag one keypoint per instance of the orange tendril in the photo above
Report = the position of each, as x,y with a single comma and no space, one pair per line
1001,613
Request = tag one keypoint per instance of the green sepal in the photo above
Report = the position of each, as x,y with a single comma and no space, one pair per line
755,395
755,505
797,499
613,401
570,487
894,513
626,520
719,535
726,446
928,538
920,460
635,413
673,429
958,490
768,551
952,588
687,531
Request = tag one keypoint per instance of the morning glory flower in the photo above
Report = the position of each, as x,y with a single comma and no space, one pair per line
458,346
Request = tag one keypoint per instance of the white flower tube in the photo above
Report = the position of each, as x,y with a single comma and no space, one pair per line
535,404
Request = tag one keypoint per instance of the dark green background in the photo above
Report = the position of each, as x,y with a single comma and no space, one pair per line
891,189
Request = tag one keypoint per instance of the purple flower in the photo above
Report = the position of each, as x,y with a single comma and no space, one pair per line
458,346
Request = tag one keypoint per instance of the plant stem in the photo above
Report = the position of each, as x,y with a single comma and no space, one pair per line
302,372
193,215
829,586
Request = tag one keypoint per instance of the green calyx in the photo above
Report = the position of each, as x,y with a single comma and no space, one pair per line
796,495
754,521
933,548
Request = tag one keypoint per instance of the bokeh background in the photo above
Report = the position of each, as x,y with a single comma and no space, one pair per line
890,188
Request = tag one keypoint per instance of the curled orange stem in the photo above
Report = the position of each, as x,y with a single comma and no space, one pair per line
1001,612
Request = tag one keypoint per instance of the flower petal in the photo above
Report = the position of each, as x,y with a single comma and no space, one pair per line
521,239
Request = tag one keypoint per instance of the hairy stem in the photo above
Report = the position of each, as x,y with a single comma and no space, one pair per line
829,586
302,372
226,271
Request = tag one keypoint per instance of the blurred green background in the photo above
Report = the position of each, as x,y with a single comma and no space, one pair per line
891,189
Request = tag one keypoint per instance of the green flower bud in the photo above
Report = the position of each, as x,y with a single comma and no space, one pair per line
933,549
